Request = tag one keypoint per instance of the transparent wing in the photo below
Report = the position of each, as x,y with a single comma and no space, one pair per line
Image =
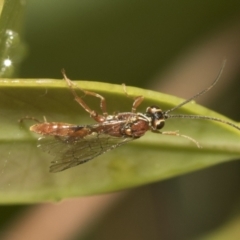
70,152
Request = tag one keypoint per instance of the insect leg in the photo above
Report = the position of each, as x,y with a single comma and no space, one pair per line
137,100
176,133
93,114
29,118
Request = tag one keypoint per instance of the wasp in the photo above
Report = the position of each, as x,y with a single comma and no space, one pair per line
76,144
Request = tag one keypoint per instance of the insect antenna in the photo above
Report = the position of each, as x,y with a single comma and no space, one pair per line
203,117
200,93
166,113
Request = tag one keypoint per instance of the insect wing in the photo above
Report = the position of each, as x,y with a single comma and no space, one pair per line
71,152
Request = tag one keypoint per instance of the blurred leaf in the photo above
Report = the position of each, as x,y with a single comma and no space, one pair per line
231,230
24,168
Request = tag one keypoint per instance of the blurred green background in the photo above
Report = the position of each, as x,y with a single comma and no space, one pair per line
144,43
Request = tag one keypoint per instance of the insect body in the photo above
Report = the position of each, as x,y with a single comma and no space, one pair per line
76,144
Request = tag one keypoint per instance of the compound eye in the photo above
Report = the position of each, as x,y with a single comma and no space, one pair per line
159,124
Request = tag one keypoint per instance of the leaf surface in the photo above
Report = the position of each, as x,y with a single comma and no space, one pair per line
24,168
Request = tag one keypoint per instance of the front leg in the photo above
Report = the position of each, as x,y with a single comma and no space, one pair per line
176,133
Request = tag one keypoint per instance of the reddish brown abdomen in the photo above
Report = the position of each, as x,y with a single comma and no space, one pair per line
53,129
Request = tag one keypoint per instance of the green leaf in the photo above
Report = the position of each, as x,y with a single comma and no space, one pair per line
24,173
228,230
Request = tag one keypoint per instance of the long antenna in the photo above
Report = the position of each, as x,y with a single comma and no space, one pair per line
200,93
203,117
166,116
